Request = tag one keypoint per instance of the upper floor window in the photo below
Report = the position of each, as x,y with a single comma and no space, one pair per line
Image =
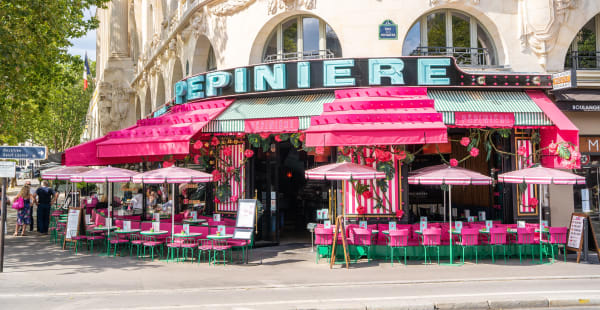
585,48
451,33
302,37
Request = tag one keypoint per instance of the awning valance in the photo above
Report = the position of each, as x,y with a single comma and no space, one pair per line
378,116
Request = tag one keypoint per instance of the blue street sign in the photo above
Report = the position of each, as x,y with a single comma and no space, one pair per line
23,152
388,30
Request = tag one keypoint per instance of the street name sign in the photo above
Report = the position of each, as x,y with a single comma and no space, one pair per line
7,169
24,152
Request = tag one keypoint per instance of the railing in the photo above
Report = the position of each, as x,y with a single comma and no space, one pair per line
465,56
583,60
320,54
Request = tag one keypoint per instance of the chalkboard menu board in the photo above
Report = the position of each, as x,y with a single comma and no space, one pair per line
576,232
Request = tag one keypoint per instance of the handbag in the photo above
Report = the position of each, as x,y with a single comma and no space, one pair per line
18,204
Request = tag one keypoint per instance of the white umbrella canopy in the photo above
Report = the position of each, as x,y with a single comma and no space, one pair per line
344,171
63,172
543,176
172,175
103,175
448,175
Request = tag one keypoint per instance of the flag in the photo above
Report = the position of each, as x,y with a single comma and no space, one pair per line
86,71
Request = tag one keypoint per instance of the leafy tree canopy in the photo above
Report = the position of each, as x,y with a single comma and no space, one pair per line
34,37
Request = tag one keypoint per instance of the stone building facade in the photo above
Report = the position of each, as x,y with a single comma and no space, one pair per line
145,46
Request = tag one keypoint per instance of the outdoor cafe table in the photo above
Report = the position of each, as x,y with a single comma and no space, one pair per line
190,235
131,231
154,233
196,221
62,221
225,236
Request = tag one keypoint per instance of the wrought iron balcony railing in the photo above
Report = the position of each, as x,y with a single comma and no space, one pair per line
589,60
318,54
465,56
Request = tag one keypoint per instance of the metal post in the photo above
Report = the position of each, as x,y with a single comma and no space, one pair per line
450,217
585,240
2,224
173,211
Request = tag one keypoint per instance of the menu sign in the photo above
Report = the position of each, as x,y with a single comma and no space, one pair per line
458,225
127,225
194,215
186,229
327,224
575,232
362,224
156,226
246,213
88,219
481,215
217,217
156,217
73,223
392,226
221,230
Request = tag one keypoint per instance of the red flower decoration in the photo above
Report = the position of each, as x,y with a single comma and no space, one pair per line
278,138
367,194
227,151
167,164
453,162
465,141
399,213
301,137
319,150
575,155
217,200
214,141
369,160
361,210
522,151
216,175
400,156
474,152
386,156
198,145
553,147
248,153
265,135
533,201
234,198
197,159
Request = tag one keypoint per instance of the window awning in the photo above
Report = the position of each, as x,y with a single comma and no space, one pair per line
495,108
378,116
169,134
244,114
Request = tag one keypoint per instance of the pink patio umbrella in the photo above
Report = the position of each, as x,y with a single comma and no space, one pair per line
64,173
105,175
448,175
343,171
544,176
172,175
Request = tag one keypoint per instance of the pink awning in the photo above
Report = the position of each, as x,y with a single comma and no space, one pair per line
169,134
562,131
378,116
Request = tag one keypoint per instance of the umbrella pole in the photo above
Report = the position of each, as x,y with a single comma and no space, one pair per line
173,210
540,224
450,217
444,193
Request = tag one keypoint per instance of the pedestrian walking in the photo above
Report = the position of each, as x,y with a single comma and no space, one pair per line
32,192
23,214
45,196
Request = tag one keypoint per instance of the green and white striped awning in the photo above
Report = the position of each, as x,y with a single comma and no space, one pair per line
301,106
526,112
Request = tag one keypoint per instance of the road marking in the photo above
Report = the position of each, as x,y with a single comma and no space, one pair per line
428,298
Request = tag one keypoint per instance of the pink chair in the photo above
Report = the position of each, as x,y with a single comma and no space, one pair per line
362,239
431,239
116,240
525,239
323,238
498,239
558,236
469,238
220,245
398,240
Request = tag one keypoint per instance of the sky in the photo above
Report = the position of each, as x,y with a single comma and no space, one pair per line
86,43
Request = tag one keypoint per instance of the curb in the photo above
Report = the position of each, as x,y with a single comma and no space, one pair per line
539,303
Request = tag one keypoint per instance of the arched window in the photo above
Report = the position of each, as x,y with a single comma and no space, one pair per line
453,33
585,48
211,61
302,37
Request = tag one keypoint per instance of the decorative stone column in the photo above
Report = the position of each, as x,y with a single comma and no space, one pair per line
119,32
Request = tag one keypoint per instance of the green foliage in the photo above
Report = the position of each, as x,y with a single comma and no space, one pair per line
563,151
34,38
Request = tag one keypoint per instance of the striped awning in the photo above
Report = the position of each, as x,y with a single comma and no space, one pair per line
526,111
298,106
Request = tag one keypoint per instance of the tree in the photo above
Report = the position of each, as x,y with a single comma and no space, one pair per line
59,122
34,37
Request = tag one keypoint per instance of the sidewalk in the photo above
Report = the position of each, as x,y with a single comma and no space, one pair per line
284,277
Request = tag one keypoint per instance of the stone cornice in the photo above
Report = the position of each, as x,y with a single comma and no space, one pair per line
164,44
